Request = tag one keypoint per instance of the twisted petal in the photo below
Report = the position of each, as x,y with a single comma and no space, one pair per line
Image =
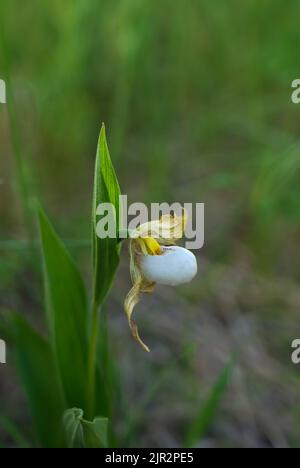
131,301
167,230
139,285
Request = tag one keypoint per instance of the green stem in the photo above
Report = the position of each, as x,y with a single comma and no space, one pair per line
92,361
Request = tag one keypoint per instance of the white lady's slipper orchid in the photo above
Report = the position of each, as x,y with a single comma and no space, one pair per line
154,258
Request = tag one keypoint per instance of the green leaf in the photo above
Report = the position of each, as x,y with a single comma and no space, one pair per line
67,313
80,433
209,408
73,428
106,252
41,382
95,433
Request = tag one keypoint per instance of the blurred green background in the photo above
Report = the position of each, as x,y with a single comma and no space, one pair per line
196,100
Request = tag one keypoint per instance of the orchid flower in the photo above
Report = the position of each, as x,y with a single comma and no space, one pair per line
155,258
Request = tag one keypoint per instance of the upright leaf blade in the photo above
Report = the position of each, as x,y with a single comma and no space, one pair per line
67,312
41,382
208,410
106,252
81,433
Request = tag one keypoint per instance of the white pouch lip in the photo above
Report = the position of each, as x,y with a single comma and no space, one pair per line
176,265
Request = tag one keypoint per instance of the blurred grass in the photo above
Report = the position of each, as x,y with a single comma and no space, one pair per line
187,103
196,100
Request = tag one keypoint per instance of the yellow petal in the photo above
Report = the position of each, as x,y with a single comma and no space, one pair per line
152,246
